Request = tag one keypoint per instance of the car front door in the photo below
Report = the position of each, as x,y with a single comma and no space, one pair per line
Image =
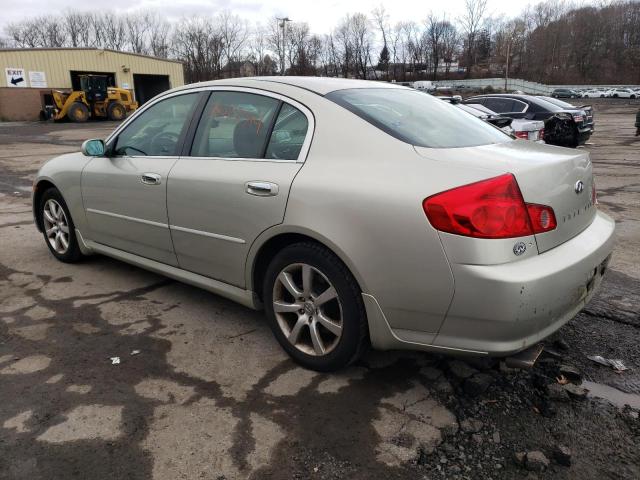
125,192
235,181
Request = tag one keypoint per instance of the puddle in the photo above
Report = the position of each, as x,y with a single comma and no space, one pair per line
612,395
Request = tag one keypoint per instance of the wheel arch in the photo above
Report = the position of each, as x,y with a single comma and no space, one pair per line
274,240
39,188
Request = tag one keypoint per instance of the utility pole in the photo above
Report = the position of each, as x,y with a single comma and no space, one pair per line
283,25
506,70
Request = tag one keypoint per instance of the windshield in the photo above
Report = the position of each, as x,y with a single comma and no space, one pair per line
418,118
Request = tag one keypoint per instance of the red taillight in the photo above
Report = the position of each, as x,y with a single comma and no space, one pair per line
522,135
594,196
542,218
541,135
492,208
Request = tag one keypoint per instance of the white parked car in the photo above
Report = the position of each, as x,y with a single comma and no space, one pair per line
532,130
622,93
521,128
594,94
425,85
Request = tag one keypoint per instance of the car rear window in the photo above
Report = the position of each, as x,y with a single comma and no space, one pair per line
548,105
557,102
418,118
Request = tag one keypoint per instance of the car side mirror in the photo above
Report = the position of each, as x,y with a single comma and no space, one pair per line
93,148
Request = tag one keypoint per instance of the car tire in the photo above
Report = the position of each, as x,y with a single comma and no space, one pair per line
116,111
54,218
318,330
78,112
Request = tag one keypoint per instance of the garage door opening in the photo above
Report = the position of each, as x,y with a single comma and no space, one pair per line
148,86
76,74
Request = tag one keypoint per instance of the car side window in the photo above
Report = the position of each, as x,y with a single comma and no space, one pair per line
501,105
493,104
289,133
518,106
234,125
157,130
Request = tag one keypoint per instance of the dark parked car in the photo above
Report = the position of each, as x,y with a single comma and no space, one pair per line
481,112
564,93
566,126
588,110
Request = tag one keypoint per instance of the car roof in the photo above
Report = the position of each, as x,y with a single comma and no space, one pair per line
505,95
319,85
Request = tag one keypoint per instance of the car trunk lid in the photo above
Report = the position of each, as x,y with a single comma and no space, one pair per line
558,177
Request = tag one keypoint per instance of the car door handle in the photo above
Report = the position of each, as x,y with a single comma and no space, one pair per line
262,189
151,179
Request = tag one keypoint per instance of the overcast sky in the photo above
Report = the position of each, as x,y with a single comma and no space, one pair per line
322,16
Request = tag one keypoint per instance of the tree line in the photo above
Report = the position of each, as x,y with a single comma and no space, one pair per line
551,42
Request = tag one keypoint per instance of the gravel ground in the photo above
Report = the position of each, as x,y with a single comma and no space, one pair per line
211,395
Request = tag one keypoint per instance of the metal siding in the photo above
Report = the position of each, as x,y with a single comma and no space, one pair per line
57,63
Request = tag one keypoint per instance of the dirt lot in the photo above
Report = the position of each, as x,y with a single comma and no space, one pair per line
210,395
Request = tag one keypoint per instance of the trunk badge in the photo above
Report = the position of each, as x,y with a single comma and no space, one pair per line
519,248
579,187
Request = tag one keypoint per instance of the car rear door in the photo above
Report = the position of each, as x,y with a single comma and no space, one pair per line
234,180
124,193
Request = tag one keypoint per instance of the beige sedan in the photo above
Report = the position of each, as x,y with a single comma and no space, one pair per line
354,213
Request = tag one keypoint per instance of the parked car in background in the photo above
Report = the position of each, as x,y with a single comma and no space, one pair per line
588,110
532,130
482,113
425,85
565,93
622,93
566,126
426,230
488,116
523,129
594,94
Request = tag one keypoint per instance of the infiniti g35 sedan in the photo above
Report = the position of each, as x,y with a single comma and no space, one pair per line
354,213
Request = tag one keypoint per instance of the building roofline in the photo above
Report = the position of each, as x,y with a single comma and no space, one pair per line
41,49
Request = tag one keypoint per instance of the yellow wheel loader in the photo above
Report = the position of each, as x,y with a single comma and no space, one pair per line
94,100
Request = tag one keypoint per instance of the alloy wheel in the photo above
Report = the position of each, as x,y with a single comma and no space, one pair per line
307,308
56,226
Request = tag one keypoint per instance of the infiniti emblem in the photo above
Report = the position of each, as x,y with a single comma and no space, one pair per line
519,248
579,187
309,308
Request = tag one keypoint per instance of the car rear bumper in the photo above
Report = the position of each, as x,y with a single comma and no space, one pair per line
584,134
502,309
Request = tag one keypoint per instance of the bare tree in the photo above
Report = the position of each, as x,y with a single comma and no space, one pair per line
198,43
258,50
158,31
381,20
450,45
136,31
276,42
435,31
114,33
471,20
234,34
551,42
361,40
